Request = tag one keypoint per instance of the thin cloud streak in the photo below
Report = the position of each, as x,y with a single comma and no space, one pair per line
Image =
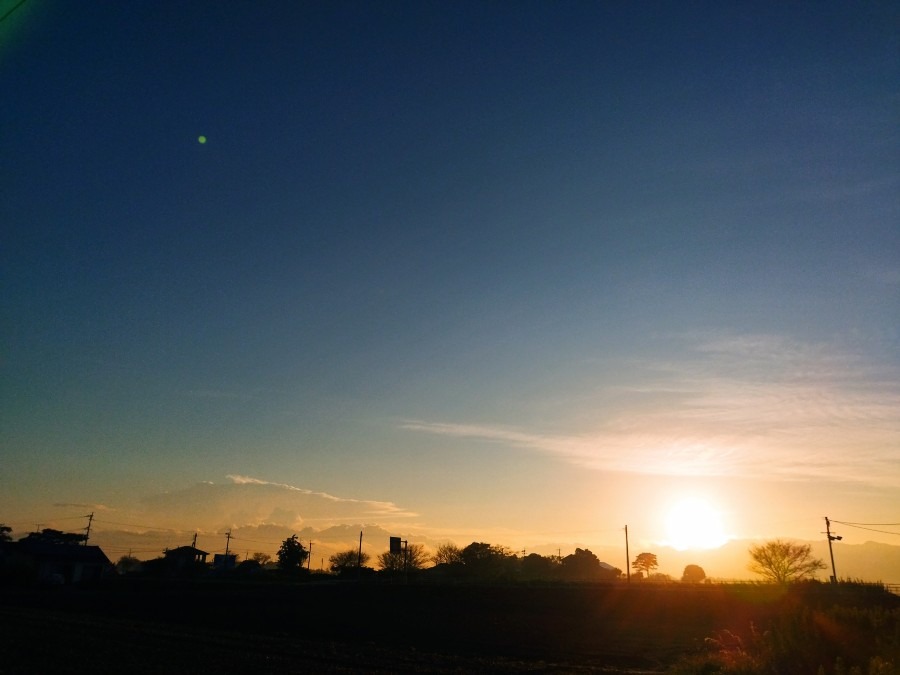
249,501
93,507
373,507
756,406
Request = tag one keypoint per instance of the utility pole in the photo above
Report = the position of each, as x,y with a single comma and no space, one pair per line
406,561
627,557
831,537
309,556
359,558
194,543
87,530
227,543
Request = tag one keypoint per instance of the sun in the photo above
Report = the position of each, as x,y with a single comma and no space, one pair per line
693,523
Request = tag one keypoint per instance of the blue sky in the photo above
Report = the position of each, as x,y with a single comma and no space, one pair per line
505,267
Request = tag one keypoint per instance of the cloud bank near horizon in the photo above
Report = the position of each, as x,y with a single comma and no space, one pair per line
753,406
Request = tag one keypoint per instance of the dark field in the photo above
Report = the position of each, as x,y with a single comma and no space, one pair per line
343,627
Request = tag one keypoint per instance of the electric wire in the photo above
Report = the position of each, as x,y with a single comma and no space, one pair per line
15,7
148,527
870,529
255,541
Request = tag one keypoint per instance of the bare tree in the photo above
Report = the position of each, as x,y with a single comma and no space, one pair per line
782,561
261,558
410,559
447,554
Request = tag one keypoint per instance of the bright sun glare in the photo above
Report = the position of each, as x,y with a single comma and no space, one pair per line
693,523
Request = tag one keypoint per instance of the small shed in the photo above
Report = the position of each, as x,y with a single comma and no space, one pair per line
185,558
224,562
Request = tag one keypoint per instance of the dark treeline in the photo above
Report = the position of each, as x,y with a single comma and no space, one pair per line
481,603
751,629
477,562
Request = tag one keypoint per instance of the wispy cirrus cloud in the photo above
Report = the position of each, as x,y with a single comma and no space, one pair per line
249,501
369,506
93,507
737,405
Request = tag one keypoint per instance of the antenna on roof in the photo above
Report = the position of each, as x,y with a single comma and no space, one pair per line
87,530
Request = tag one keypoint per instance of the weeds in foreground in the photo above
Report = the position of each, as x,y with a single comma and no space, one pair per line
835,641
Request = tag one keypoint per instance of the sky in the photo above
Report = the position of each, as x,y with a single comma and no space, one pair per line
523,273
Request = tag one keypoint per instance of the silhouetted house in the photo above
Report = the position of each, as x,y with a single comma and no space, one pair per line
10,570
224,562
185,559
49,563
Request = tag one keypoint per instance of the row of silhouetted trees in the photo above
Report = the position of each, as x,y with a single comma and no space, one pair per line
777,561
478,560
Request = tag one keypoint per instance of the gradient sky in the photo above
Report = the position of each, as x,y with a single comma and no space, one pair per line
515,272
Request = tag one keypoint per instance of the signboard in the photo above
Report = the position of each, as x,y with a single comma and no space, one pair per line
395,545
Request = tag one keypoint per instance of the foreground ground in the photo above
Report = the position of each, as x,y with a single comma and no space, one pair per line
347,628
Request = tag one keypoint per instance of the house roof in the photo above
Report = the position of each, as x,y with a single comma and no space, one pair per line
186,550
63,552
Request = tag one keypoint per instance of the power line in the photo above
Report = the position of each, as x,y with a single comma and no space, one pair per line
876,524
23,525
148,527
129,548
860,527
5,16
65,518
53,519
254,541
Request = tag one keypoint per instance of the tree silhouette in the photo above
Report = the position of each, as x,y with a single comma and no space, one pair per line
447,554
127,564
486,560
261,558
5,532
412,558
693,574
781,561
645,562
51,536
581,565
347,560
292,555
534,567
